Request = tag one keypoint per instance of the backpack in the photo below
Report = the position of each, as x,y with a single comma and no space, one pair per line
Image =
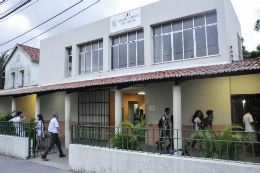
202,125
160,123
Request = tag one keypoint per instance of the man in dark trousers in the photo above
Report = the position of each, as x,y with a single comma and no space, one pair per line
54,130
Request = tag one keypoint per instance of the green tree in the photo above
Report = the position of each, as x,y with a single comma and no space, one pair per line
257,25
3,57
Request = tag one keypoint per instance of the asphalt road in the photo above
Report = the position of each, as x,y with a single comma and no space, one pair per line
14,165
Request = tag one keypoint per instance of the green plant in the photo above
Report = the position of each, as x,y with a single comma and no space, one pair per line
129,138
8,116
224,145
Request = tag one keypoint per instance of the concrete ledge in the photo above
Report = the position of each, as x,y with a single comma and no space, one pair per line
98,160
14,146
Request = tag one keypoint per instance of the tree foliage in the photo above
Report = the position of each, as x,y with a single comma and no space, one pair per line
3,57
257,25
247,54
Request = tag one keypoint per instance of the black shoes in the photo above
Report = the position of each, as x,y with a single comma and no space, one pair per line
64,155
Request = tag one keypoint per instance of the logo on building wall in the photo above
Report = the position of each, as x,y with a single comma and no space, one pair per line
114,24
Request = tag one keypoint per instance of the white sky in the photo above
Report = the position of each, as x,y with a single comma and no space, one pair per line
248,12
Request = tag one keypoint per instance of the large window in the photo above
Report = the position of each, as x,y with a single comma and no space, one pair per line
191,37
21,78
69,62
128,50
12,80
91,58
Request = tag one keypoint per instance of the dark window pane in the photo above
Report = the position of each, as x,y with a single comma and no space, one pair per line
123,38
132,36
200,42
157,50
177,42
176,26
132,54
212,38
69,51
115,40
157,30
188,44
88,46
81,48
95,61
188,23
167,48
211,17
199,20
100,44
70,58
167,28
94,45
123,56
81,64
140,34
115,57
88,62
100,60
140,52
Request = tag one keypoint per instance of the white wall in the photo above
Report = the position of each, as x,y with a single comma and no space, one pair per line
96,159
34,73
14,146
53,48
5,105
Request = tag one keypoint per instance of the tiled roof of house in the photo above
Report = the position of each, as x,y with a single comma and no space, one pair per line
34,53
236,66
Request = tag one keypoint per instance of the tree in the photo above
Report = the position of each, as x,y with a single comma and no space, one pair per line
257,25
3,57
247,54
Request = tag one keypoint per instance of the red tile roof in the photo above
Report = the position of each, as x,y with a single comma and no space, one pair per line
34,53
237,66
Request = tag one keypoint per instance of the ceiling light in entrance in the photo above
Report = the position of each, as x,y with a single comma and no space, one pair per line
141,93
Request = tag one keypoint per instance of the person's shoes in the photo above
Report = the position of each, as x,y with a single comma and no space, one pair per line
64,155
44,159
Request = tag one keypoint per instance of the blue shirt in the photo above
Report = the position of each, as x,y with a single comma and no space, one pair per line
53,126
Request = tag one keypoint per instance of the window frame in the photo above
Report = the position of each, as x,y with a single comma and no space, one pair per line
127,43
68,68
91,51
21,80
12,80
193,28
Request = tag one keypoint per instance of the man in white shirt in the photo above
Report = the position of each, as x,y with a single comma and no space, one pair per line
248,121
54,130
18,126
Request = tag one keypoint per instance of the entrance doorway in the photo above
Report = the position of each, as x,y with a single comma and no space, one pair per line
132,106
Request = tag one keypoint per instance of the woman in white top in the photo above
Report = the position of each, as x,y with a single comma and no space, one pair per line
39,130
197,118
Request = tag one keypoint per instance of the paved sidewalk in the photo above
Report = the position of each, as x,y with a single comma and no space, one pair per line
14,165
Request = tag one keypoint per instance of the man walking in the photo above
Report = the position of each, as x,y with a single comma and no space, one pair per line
54,130
208,120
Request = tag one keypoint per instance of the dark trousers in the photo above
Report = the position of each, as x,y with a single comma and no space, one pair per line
193,143
164,133
54,140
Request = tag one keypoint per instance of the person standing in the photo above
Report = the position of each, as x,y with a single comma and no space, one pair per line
137,116
208,120
18,126
39,130
142,116
197,119
248,121
54,130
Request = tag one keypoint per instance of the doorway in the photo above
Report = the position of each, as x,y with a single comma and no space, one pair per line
132,106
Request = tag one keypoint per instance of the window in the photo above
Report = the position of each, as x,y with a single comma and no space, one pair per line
21,78
91,58
12,80
191,37
239,47
127,50
69,62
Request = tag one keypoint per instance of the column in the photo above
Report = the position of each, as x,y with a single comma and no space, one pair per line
67,120
37,106
118,108
13,104
177,124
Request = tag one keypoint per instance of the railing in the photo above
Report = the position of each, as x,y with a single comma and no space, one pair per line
236,146
28,130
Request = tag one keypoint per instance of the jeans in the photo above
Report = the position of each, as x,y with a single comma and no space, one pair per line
54,140
164,133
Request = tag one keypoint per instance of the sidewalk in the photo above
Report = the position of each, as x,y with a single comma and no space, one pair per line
14,165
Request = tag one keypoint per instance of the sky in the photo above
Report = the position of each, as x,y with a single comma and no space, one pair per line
248,11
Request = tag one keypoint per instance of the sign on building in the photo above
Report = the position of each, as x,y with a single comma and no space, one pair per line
125,21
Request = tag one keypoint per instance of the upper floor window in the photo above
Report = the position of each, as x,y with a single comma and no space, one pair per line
188,38
91,58
21,80
12,80
239,47
69,62
128,50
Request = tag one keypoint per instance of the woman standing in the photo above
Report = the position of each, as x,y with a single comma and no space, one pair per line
197,118
142,116
39,130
